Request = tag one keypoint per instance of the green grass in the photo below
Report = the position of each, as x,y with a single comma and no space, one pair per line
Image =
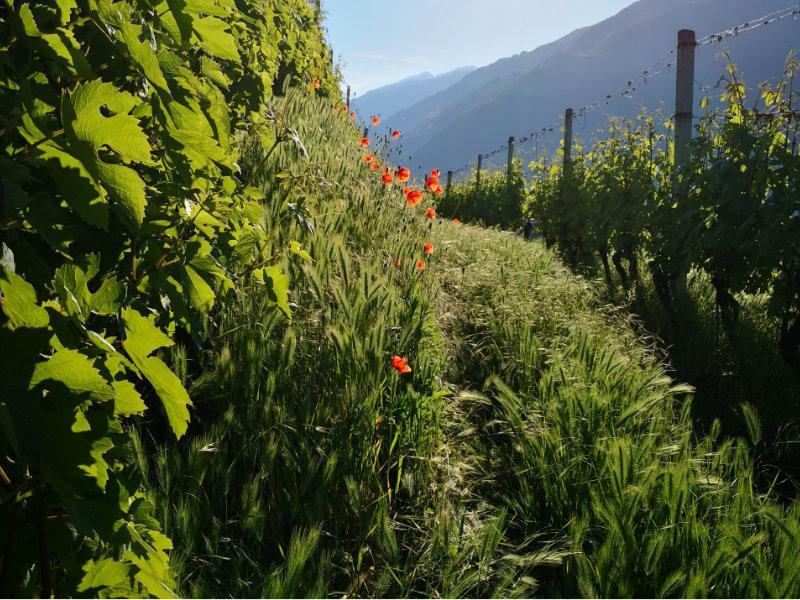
728,373
538,447
590,447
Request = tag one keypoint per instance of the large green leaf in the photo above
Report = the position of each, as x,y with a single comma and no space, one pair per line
107,573
19,302
88,130
142,338
214,38
82,192
72,372
201,296
277,283
119,131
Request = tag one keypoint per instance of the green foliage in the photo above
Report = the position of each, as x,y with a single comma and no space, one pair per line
589,448
310,444
126,221
498,202
731,212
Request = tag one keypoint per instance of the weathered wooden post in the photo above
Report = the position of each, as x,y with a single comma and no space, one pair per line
510,165
348,97
449,183
478,172
568,138
684,109
566,181
684,101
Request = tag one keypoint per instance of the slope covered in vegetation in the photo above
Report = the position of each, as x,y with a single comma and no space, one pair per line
377,402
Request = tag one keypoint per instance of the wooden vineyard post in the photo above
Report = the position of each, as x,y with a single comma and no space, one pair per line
568,138
348,97
449,183
566,172
684,100
684,108
478,172
510,165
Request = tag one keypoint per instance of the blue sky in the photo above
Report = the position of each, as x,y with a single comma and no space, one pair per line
381,41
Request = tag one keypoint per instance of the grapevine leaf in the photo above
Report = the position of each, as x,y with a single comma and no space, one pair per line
141,339
109,297
120,132
19,302
83,194
106,573
297,249
215,39
127,400
277,283
61,48
128,188
212,70
72,285
75,372
201,296
142,54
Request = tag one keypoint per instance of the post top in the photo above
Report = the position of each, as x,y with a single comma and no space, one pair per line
686,36
510,139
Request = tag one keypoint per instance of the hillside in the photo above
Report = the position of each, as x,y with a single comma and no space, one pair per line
236,360
387,100
521,94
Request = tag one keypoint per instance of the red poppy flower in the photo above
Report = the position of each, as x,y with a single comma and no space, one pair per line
400,364
352,115
374,165
335,108
364,142
430,213
403,174
456,221
397,262
376,120
432,182
438,191
420,265
406,190
368,158
428,248
436,173
315,84
414,197
387,177
395,134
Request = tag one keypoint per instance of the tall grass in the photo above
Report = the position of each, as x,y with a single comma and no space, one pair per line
730,372
537,447
311,468
592,452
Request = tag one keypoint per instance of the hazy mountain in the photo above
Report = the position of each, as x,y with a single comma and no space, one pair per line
387,100
523,93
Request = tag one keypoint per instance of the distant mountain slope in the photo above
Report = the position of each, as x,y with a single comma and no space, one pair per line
389,99
517,95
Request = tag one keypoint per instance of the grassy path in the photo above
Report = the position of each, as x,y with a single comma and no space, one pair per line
584,448
537,447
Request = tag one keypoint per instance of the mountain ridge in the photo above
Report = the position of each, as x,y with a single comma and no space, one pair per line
390,98
514,95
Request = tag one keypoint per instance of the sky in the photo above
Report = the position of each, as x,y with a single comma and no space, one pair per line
382,41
